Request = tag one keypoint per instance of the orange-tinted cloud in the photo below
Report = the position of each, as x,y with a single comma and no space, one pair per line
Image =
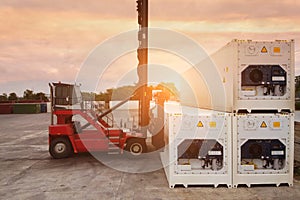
219,10
42,41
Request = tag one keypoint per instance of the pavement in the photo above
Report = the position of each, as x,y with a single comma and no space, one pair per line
28,172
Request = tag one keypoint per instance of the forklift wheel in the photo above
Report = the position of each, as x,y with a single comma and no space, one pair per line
60,148
136,146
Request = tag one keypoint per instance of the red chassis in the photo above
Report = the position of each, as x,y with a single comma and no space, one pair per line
67,136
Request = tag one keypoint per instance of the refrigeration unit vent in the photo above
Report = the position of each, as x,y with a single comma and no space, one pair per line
263,80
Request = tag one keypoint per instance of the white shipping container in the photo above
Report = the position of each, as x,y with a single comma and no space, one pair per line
252,75
199,148
263,149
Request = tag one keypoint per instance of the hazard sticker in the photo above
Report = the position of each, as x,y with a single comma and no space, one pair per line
263,125
200,124
264,50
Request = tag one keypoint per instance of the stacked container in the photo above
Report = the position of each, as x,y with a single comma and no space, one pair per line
256,89
199,150
259,81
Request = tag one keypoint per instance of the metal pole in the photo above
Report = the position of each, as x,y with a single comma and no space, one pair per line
52,103
144,103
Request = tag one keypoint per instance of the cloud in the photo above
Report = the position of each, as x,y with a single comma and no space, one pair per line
107,9
42,41
203,10
223,10
48,46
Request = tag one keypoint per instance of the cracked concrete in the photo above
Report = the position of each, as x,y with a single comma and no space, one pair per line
28,172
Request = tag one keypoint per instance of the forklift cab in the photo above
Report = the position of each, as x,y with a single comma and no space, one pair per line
66,96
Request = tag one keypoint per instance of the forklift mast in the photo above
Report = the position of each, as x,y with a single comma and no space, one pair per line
142,69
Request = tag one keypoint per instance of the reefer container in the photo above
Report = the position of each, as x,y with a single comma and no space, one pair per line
252,75
263,149
199,148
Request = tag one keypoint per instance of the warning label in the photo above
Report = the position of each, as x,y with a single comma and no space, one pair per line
276,124
212,124
264,50
276,50
263,125
200,124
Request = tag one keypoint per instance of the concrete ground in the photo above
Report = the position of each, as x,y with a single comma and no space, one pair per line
28,172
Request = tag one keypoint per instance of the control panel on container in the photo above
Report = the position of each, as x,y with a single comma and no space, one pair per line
263,154
199,154
261,81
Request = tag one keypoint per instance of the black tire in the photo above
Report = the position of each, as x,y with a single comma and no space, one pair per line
136,146
60,148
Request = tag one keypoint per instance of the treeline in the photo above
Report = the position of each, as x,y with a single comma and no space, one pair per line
27,96
113,94
117,94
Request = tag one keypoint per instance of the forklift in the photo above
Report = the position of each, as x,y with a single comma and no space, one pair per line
67,134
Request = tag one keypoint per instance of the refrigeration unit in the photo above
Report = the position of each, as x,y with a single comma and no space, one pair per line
199,149
263,147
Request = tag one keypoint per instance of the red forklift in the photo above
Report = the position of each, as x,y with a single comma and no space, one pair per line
67,134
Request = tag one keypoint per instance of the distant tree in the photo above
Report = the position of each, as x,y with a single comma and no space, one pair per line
3,97
28,95
109,93
100,97
12,96
40,96
88,96
169,89
121,93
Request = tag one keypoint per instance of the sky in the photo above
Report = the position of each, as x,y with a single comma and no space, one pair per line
48,41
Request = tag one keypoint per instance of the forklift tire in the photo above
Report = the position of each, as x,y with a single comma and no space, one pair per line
136,146
60,148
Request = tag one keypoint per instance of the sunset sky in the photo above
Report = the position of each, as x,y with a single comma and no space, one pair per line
42,41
